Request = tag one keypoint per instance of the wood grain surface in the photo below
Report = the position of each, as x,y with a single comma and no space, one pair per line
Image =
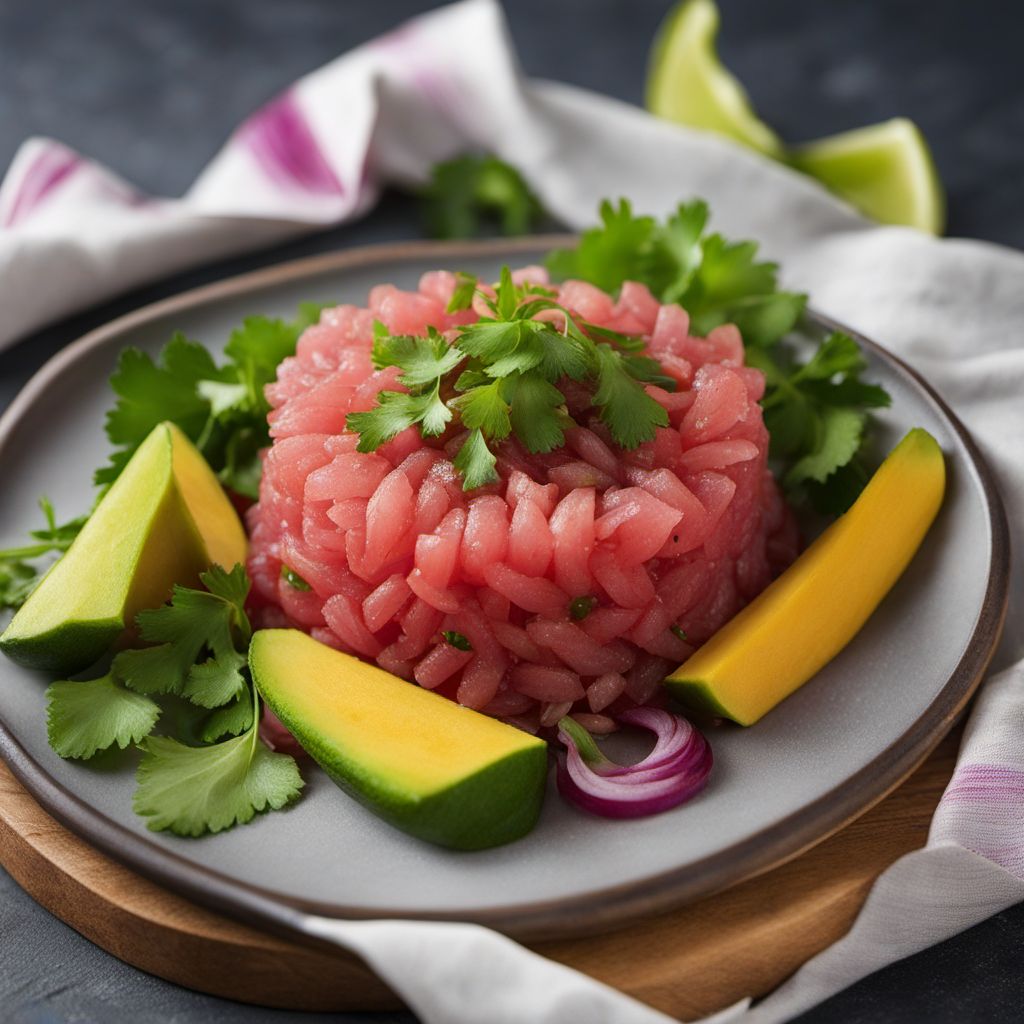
687,963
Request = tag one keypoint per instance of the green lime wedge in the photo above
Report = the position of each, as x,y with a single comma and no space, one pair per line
885,170
686,82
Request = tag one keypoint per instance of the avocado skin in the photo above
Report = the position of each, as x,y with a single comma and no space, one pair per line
496,804
64,651
697,695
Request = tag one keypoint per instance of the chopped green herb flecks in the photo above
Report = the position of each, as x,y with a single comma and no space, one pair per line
678,632
294,580
457,640
581,607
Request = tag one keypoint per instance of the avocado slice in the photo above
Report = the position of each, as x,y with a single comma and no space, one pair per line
424,764
813,610
164,520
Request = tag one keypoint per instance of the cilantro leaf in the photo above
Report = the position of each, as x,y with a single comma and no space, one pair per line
220,408
470,193
627,410
232,587
393,413
838,435
622,248
85,717
714,280
193,790
150,392
535,414
17,577
463,293
476,462
194,622
484,407
256,349
422,360
231,720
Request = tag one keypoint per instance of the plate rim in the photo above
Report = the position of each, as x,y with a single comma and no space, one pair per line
553,918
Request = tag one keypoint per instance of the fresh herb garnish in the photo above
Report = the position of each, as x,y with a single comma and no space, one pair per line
201,638
86,717
581,607
678,632
457,640
471,193
817,411
294,580
714,280
221,408
499,376
18,578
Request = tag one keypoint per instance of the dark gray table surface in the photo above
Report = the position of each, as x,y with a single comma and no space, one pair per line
152,88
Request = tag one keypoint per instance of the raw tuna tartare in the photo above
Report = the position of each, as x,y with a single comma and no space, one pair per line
577,578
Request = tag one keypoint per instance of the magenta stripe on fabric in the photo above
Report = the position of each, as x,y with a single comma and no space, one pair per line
987,782
47,171
283,144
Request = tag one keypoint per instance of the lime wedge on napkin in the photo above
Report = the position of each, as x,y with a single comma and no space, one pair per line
885,170
686,82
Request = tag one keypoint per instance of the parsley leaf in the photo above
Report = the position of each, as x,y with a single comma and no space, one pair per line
85,717
192,790
471,193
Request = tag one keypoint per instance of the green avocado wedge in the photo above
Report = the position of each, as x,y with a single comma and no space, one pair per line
163,521
424,764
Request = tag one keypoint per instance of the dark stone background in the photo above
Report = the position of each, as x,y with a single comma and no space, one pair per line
153,87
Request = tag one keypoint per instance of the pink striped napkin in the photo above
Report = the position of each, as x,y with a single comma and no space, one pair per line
73,232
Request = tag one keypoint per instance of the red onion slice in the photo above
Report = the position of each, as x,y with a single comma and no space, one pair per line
674,771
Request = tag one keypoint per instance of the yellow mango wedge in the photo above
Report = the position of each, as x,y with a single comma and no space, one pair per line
164,520
813,610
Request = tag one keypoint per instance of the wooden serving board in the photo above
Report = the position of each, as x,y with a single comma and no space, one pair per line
687,963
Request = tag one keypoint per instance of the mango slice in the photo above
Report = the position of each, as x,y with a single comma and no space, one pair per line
163,521
434,769
813,610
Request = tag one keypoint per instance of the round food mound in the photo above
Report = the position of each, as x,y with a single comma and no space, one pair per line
574,584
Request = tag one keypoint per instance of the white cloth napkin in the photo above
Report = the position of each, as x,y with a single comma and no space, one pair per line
72,233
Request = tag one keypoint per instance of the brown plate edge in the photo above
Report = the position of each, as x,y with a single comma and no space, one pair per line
553,918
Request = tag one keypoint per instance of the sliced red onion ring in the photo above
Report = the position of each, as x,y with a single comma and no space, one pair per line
674,771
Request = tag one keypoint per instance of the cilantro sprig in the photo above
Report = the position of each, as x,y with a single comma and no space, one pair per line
220,407
499,378
817,411
18,575
196,660
471,193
